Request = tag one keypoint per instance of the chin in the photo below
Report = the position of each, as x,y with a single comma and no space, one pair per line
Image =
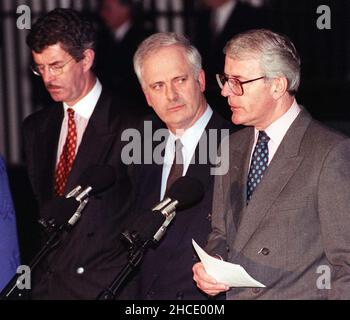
235,120
56,98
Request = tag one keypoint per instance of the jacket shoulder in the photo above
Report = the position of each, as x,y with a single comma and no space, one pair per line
33,120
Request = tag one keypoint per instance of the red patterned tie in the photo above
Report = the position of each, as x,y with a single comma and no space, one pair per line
67,156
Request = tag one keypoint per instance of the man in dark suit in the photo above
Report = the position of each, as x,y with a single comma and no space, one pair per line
217,22
62,141
282,210
121,32
170,73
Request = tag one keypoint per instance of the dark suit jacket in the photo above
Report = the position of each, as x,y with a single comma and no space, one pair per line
294,234
93,243
114,65
166,271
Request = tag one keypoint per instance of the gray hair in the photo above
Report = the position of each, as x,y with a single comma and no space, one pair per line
278,56
165,39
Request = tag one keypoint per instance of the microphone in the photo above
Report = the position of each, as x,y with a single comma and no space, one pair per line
184,193
57,211
94,180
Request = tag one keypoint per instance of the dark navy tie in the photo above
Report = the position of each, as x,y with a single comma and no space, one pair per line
177,166
259,163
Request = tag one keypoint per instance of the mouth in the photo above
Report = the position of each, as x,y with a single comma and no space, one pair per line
233,108
175,108
52,88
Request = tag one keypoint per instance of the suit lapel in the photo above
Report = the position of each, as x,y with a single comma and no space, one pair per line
97,140
202,171
197,169
239,165
48,140
149,176
282,167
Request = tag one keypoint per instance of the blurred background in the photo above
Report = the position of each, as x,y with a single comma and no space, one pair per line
325,54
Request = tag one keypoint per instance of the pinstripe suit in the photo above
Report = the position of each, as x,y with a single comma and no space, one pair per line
298,221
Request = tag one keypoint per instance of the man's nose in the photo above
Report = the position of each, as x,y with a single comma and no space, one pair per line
226,91
171,92
46,75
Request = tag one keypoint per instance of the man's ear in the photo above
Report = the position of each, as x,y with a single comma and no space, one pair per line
279,87
88,60
201,80
148,99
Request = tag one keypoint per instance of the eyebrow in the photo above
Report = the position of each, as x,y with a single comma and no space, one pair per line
157,82
235,76
50,64
175,78
180,76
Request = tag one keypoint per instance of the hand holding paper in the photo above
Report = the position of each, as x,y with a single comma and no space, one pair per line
224,272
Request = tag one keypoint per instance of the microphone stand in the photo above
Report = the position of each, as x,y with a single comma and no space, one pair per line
12,291
136,252
136,249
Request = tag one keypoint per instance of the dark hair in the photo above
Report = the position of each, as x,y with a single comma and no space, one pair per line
72,30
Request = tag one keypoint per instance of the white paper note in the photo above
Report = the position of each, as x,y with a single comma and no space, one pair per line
224,272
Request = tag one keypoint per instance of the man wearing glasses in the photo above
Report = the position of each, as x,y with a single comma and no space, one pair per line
62,141
282,210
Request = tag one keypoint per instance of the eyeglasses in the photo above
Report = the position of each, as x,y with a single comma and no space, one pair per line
234,84
55,70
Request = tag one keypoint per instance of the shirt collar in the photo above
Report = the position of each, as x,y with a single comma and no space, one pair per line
120,32
277,130
223,13
85,107
191,136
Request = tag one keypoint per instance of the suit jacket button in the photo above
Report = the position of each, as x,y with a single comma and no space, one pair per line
179,295
256,290
150,294
80,270
264,251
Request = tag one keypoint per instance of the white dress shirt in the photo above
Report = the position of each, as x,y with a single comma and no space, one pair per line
120,33
278,129
221,15
83,110
189,140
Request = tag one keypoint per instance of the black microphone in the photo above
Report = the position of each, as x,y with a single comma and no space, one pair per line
184,193
59,210
94,180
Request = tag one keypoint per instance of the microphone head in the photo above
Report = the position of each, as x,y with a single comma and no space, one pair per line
187,191
98,177
60,209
